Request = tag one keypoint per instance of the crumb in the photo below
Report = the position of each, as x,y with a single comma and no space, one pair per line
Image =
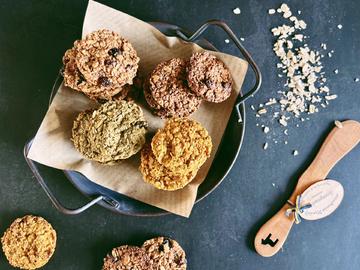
295,152
227,41
338,124
265,146
356,80
340,26
336,71
266,130
271,11
262,111
237,11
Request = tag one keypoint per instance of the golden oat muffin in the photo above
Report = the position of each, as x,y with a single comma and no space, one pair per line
29,242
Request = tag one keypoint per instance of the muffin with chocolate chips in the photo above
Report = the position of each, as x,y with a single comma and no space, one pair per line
101,65
209,78
127,257
165,254
167,91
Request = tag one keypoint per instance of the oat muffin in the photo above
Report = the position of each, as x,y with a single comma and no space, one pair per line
183,145
208,77
169,89
100,65
159,176
127,257
165,254
29,242
113,132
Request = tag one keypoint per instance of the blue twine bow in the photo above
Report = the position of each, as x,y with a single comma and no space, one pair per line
297,208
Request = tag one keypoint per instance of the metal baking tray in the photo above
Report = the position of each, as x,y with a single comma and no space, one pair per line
223,161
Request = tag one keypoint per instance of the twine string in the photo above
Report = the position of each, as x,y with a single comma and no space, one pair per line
297,209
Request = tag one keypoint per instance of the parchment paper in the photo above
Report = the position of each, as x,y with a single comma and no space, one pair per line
52,145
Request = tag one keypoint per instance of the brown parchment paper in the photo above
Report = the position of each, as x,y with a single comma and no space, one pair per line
52,145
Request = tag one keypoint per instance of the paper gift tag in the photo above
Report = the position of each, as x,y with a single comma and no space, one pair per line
324,197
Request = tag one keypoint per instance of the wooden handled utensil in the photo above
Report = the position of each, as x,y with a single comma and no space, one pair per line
344,137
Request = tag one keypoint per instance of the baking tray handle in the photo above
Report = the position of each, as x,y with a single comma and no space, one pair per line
244,52
49,193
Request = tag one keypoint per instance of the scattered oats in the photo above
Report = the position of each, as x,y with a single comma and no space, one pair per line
284,8
252,107
356,80
266,130
237,11
299,37
227,41
338,124
271,11
271,102
262,111
336,71
295,152
266,145
312,108
283,121
331,97
303,84
302,24
340,26
287,14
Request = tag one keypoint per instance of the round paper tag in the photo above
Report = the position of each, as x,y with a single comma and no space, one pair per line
325,196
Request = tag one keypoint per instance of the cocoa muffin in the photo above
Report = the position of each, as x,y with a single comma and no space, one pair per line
127,257
209,78
165,254
169,90
29,242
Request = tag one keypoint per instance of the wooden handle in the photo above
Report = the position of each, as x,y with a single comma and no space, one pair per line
272,235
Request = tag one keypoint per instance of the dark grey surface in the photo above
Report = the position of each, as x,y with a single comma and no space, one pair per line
220,231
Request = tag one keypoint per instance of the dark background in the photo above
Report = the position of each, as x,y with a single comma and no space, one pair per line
219,234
